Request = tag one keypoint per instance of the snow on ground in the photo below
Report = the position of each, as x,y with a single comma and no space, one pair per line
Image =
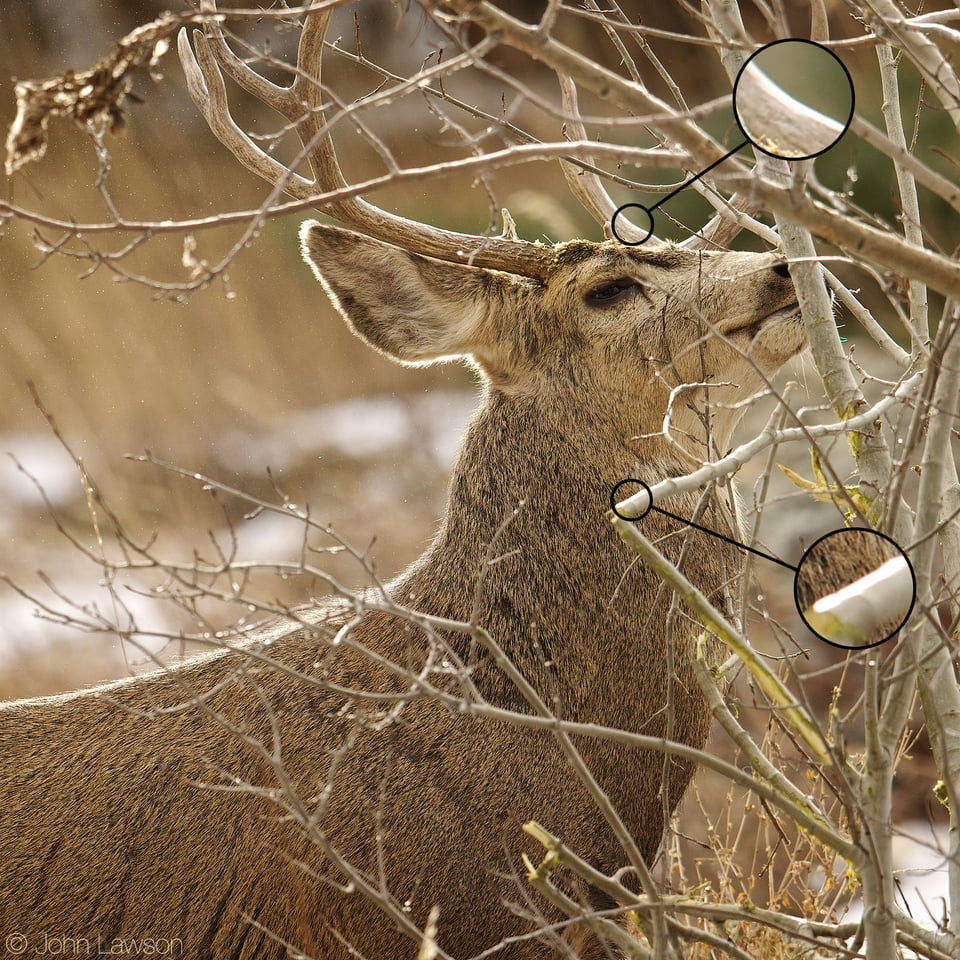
37,471
357,431
920,866
919,856
361,427
30,629
32,467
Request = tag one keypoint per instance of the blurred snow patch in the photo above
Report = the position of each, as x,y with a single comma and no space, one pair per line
920,867
29,631
268,538
33,466
361,427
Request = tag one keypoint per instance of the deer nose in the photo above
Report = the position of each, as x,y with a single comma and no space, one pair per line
781,270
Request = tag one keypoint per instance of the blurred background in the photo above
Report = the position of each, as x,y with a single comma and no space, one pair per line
255,374
256,382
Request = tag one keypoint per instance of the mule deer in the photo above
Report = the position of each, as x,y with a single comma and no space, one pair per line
300,794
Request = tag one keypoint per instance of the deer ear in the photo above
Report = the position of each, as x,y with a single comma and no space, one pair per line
412,308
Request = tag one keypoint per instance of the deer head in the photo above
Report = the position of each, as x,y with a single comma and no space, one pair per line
619,331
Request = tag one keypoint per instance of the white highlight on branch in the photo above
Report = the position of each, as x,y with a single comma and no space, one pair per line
854,614
779,123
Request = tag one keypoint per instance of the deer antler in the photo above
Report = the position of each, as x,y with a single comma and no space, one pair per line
584,184
302,105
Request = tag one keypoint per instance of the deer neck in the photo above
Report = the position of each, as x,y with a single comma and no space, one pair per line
525,526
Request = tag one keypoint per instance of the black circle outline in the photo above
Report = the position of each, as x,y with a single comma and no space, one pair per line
613,499
846,126
796,584
613,224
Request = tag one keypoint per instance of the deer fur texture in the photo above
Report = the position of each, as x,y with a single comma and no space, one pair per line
145,808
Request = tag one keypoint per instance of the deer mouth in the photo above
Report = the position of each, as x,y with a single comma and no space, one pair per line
753,327
776,338
790,312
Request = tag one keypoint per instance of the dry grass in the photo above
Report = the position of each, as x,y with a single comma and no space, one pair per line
123,370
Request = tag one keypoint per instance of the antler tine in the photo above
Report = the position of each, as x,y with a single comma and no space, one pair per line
584,184
301,104
285,100
207,90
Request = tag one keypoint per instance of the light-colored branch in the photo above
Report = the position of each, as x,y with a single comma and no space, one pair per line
903,159
777,122
925,54
769,682
636,504
867,444
854,614
866,320
558,854
907,187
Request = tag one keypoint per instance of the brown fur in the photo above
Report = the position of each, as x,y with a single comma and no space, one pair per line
112,821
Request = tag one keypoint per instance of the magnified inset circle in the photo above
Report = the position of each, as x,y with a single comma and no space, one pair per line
625,489
646,223
854,588
793,99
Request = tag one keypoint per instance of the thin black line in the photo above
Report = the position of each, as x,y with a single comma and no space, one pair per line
696,177
736,543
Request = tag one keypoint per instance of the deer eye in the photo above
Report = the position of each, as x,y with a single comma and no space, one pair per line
611,291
